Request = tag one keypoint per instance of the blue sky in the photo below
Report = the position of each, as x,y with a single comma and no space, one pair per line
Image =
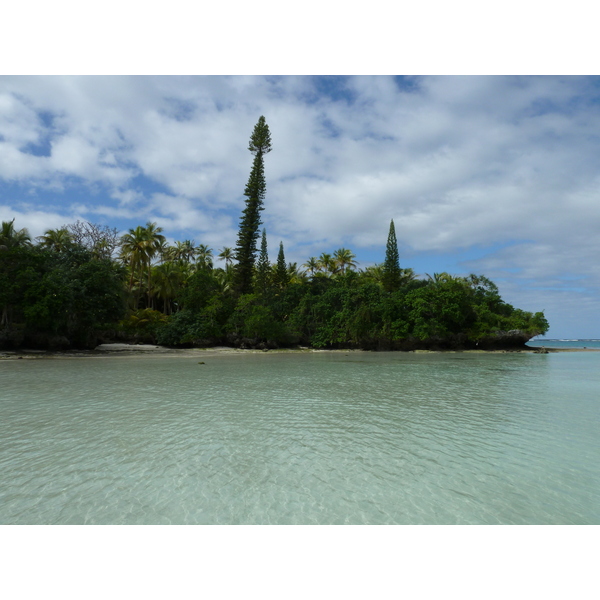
496,175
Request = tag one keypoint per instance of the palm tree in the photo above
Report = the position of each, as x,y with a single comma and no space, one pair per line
407,275
439,278
13,238
374,273
154,238
154,241
133,251
326,263
312,264
56,239
226,254
344,259
184,251
295,275
204,256
168,280
138,248
225,279
164,252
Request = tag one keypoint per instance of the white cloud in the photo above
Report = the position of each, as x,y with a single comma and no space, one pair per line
455,161
74,156
37,222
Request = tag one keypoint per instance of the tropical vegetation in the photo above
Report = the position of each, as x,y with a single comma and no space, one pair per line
84,283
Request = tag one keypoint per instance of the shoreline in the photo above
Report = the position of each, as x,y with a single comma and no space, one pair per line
137,350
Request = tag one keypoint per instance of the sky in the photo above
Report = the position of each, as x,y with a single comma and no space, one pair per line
494,175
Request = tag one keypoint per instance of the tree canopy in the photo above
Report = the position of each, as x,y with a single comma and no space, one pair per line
83,283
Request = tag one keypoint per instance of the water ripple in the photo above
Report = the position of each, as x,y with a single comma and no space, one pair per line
301,438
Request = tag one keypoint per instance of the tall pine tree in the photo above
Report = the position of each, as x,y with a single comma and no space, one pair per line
391,267
245,250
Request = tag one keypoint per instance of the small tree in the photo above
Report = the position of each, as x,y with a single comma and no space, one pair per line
392,274
13,238
101,240
344,259
282,276
262,267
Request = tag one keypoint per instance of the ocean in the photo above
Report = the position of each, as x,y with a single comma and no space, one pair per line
301,438
562,343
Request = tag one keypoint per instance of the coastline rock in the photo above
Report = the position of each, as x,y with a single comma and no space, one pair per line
505,340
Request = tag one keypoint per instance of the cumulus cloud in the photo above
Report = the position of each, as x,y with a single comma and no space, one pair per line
36,221
457,162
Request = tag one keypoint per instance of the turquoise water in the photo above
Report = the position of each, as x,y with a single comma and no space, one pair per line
301,438
551,343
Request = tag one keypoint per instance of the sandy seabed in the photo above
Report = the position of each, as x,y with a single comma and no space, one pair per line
133,350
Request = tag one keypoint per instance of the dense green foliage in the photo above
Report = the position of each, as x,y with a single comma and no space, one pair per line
61,295
57,299
82,284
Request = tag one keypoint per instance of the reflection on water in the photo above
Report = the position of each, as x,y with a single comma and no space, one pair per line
301,438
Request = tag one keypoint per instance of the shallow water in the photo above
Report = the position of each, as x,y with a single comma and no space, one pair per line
325,438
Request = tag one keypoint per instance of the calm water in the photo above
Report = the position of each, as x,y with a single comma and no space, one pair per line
555,343
327,438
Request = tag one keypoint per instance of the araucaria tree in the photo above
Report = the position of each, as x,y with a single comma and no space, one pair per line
282,277
392,274
245,250
263,268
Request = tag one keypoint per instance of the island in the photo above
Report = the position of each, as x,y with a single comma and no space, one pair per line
83,284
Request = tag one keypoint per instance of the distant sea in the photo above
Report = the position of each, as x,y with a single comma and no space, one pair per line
565,343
